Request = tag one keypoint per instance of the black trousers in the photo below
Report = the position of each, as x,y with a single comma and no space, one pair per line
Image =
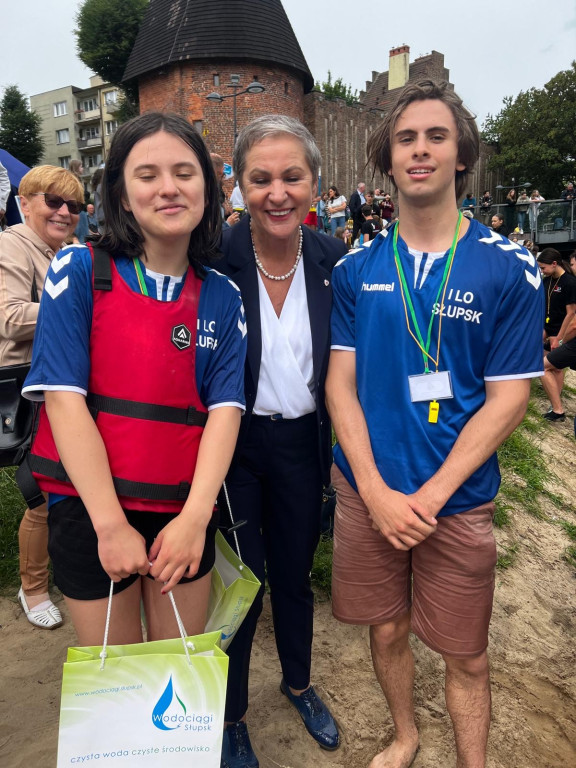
276,486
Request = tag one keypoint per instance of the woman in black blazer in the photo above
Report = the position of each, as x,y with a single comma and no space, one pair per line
283,457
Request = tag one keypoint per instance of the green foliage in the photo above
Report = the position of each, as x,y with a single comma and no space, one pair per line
534,134
570,556
106,33
506,557
20,128
322,567
12,507
337,90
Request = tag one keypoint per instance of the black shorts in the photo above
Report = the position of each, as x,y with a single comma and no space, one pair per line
564,356
73,549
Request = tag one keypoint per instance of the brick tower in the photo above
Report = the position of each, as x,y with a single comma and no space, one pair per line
187,49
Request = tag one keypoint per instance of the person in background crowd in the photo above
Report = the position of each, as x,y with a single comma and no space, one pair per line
534,204
133,509
321,212
4,191
511,205
486,206
387,208
92,221
283,455
572,262
416,475
96,184
51,199
374,205
522,206
228,220
568,193
367,230
237,200
469,203
560,299
357,200
498,225
336,209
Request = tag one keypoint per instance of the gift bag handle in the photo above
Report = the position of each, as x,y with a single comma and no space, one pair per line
232,521
188,644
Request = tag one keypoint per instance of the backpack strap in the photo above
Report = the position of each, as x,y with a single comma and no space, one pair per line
102,268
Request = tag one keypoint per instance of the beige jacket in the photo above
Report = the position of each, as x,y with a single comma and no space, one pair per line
24,258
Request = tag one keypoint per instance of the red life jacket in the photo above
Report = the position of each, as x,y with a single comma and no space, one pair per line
142,394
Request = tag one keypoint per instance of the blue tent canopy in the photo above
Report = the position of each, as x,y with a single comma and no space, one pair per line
16,170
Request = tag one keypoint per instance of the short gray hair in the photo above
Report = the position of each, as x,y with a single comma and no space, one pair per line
268,126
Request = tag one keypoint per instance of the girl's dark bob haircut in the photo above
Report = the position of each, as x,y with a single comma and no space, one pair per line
123,236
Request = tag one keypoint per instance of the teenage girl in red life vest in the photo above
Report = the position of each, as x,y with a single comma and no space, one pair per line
133,457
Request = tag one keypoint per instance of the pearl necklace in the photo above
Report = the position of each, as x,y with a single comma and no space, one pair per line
277,277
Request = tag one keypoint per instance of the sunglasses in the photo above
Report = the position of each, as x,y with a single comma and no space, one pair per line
56,202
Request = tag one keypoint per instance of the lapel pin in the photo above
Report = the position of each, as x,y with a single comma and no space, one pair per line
326,283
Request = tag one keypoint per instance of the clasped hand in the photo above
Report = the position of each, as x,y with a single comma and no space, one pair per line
403,520
176,552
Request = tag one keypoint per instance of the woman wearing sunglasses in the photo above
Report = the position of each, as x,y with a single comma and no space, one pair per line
141,369
51,199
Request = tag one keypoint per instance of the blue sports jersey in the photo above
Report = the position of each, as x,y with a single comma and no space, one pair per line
491,330
61,355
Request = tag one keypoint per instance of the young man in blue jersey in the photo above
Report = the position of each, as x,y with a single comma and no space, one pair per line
436,332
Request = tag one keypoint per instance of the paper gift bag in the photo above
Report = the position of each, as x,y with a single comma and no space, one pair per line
232,592
147,704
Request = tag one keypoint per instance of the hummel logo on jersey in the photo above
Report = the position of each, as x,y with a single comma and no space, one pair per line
181,336
389,287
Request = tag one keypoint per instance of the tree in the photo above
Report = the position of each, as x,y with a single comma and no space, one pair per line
20,128
106,34
534,134
337,90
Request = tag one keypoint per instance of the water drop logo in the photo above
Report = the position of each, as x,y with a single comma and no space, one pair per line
170,711
227,630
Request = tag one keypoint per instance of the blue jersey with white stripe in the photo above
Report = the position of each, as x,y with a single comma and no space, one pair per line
490,329
61,356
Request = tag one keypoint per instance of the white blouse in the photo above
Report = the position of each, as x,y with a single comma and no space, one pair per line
286,379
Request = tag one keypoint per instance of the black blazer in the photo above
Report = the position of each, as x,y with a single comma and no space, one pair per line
319,254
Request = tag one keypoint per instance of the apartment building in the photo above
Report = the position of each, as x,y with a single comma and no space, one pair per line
78,123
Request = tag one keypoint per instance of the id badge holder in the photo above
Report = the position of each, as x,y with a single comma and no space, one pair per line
431,387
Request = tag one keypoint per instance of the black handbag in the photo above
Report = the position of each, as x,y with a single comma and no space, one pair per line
16,413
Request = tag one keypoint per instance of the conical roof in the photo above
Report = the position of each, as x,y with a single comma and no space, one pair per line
197,30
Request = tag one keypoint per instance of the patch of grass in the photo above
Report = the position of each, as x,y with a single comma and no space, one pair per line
322,567
507,557
569,555
525,471
501,516
12,507
570,529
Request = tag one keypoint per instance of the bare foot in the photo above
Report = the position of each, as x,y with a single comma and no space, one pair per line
34,600
397,755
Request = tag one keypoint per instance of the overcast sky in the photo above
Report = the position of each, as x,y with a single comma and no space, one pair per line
493,48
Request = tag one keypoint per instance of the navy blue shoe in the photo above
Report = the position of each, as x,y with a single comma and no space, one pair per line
316,716
237,751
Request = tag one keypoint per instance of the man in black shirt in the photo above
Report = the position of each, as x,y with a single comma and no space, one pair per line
560,298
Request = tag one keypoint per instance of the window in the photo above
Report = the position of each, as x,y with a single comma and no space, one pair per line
65,161
93,161
111,97
63,136
60,109
111,127
87,105
216,79
93,132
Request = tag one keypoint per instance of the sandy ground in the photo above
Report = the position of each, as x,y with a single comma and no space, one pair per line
532,651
